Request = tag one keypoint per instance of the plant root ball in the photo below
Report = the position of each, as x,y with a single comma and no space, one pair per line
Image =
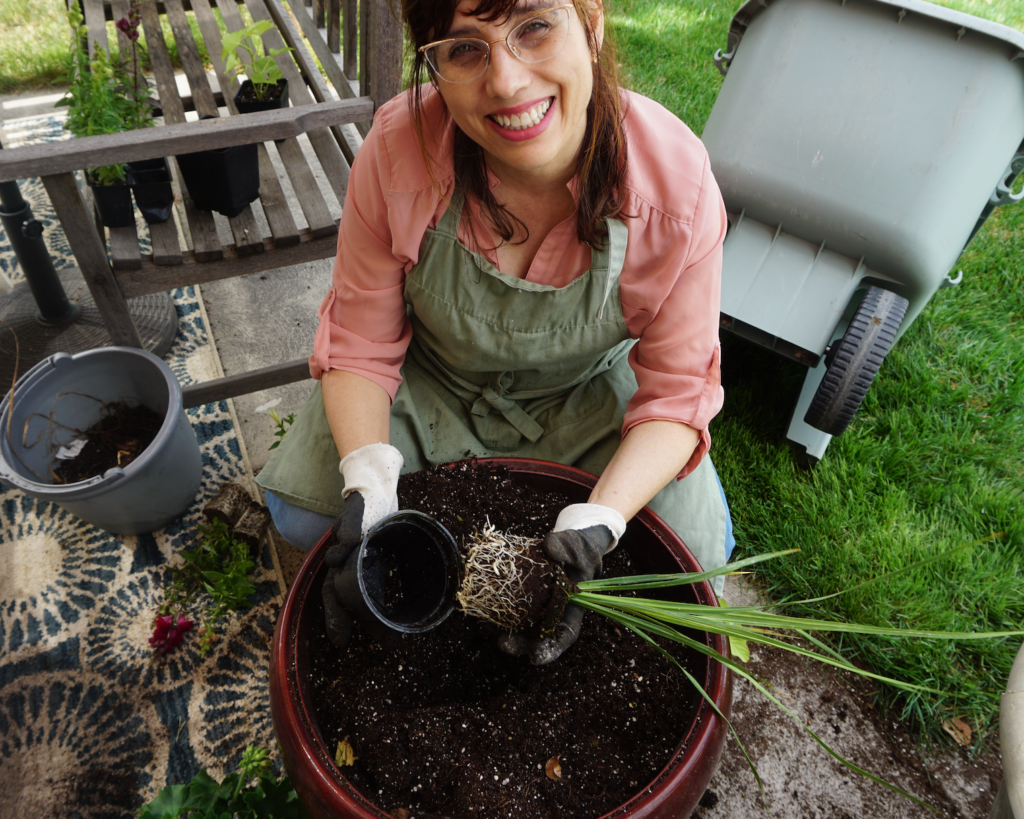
509,581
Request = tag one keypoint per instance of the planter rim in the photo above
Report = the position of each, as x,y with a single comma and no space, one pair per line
99,483
705,726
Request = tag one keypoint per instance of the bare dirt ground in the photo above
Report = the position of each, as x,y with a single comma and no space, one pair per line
802,781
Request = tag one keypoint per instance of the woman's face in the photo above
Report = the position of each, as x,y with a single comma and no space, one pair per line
557,90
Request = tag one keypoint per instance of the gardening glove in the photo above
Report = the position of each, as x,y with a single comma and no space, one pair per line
583,534
370,494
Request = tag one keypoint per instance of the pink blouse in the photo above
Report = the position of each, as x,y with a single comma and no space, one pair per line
670,283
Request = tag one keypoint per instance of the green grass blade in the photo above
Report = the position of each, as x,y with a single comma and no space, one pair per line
763,619
743,750
755,636
660,581
628,621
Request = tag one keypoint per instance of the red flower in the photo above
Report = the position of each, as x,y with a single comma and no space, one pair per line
129,29
167,634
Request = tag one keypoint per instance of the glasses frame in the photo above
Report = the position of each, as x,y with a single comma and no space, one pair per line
488,44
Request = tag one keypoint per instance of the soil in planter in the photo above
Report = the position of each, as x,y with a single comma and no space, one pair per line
117,439
248,94
445,725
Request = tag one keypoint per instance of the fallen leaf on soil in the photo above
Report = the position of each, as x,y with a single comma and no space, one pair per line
959,730
400,813
345,755
554,768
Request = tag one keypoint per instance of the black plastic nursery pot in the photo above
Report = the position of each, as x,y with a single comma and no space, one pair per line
150,181
245,103
114,203
403,577
224,180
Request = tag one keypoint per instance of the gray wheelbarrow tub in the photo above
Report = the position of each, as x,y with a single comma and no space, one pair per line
870,130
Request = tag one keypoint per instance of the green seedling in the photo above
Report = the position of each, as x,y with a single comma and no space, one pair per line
259,65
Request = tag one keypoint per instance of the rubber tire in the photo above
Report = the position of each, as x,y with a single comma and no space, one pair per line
853,360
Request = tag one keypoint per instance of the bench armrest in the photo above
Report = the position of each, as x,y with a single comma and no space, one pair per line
49,158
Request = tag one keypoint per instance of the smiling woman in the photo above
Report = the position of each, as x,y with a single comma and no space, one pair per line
528,265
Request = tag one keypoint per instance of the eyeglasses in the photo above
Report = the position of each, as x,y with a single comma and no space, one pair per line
539,37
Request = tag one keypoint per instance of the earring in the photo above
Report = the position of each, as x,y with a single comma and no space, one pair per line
594,59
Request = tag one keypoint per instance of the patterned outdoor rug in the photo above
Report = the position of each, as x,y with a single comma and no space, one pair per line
89,726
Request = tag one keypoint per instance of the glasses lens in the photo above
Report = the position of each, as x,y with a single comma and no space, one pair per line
458,60
540,37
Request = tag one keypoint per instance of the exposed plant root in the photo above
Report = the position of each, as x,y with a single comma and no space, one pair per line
508,582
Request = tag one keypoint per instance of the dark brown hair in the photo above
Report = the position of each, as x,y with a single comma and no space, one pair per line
601,164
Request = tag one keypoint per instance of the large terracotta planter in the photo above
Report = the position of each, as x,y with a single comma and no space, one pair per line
673,794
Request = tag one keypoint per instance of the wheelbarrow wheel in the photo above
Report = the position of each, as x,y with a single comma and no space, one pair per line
853,360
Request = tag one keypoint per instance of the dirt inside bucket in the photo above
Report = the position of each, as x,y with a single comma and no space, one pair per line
445,725
120,436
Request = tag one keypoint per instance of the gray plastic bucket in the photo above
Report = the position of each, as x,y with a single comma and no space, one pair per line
148,493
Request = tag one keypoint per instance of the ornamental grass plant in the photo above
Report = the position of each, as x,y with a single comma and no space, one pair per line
507,581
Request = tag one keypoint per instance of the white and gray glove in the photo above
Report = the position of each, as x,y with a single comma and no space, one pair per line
370,494
584,533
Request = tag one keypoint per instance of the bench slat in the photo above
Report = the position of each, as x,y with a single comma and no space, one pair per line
153,279
188,53
318,217
163,237
202,229
124,248
93,12
334,26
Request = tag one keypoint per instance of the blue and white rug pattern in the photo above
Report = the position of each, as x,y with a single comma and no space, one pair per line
89,726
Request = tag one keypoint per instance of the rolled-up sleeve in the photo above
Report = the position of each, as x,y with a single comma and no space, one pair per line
363,325
672,307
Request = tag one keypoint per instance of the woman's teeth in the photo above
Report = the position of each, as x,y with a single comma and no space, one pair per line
526,119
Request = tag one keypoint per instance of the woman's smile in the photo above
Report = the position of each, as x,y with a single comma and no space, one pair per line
523,122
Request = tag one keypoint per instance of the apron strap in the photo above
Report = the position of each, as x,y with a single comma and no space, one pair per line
618,236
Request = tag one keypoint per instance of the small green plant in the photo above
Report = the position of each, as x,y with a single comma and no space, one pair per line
95,106
282,423
237,796
260,67
212,581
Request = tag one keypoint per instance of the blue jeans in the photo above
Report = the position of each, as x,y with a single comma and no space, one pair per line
300,527
303,528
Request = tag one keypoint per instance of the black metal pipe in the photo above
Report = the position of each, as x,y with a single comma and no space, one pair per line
25,234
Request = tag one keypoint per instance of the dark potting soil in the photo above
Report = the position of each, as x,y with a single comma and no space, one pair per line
117,439
249,94
446,725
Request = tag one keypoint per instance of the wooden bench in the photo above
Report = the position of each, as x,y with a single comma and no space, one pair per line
186,250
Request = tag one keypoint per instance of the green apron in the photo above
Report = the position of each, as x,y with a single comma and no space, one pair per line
499,366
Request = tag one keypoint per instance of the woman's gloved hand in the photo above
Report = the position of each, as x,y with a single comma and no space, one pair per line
371,494
584,533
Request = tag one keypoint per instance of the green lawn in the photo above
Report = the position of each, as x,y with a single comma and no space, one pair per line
933,460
